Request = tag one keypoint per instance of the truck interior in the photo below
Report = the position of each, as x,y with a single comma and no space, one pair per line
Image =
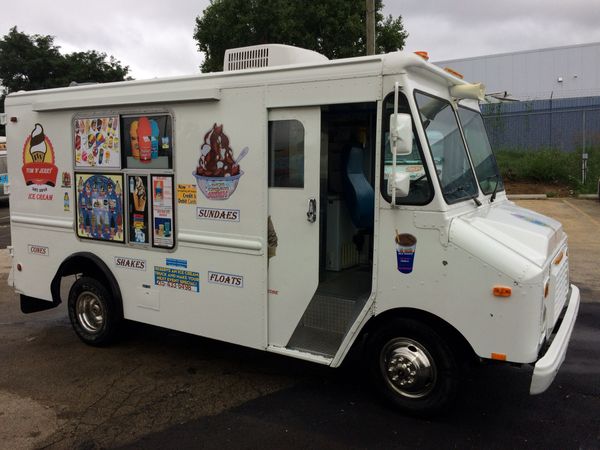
347,206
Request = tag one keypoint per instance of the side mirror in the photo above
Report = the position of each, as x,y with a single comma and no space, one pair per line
401,134
400,182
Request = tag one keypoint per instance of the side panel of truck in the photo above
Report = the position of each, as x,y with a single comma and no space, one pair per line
220,243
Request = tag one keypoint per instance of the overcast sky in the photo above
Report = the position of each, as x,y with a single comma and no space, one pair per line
154,37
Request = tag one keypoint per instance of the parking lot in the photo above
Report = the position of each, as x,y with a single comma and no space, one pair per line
164,389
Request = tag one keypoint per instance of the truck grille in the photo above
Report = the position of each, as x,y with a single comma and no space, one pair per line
560,282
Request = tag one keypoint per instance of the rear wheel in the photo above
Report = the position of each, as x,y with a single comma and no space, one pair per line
413,367
93,312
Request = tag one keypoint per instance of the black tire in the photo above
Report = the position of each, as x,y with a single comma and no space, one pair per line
426,369
93,311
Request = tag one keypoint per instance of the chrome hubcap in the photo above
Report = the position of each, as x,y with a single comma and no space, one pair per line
408,368
90,312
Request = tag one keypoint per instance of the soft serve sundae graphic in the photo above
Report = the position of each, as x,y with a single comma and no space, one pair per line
39,170
218,173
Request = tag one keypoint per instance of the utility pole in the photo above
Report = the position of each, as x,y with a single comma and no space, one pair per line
370,27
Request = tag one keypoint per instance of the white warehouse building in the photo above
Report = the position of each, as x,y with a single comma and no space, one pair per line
558,72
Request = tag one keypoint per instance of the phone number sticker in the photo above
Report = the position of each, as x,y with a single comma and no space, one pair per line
177,279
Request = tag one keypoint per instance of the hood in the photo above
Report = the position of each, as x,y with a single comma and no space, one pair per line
527,233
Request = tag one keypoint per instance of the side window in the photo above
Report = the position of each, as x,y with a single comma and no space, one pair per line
421,191
124,182
286,154
147,141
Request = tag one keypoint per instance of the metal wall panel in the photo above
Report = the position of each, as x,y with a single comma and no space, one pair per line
535,74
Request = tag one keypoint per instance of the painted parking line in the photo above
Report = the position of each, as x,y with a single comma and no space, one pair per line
579,210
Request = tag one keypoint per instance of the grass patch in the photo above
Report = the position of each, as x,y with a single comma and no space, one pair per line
551,166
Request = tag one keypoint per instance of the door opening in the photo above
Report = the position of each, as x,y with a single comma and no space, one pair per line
346,216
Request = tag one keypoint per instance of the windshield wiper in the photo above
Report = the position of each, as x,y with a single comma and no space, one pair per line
461,188
496,176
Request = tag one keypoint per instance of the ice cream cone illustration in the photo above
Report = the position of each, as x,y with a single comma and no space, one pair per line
38,148
38,160
139,195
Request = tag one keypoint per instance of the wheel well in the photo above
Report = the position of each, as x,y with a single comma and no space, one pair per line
88,265
457,340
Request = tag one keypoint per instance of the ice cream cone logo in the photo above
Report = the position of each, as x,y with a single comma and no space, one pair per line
38,159
37,144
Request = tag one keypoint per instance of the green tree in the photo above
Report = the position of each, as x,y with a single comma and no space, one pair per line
30,62
335,28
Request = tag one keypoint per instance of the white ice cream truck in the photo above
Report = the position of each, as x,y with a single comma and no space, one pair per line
291,204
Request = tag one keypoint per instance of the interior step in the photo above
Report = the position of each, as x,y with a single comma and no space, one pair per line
325,323
316,340
329,313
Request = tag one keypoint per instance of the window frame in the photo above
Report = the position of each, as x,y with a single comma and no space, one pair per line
124,173
77,223
468,155
271,161
151,177
124,131
129,240
385,124
500,180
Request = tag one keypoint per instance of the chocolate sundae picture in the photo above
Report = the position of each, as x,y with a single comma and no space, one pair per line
218,171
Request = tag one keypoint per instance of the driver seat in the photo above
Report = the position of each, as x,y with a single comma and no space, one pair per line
358,192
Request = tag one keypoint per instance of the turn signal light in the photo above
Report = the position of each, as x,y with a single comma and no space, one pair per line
499,356
502,291
546,289
559,258
423,55
454,72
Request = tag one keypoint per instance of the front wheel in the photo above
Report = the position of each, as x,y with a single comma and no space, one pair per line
413,367
93,312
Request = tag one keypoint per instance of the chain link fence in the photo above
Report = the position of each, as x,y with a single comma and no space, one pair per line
566,124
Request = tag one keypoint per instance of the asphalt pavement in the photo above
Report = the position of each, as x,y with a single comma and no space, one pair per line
4,224
336,410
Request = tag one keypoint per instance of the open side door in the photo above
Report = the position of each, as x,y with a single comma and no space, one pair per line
294,167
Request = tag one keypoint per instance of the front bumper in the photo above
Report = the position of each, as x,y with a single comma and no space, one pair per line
547,367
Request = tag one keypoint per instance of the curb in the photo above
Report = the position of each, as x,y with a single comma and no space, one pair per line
590,196
527,197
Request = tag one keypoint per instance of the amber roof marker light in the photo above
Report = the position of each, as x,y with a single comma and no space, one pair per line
423,54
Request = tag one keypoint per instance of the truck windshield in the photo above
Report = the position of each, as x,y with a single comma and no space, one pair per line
447,148
482,156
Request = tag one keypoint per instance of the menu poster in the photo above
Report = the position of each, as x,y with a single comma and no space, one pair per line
138,209
97,142
162,211
99,206
147,141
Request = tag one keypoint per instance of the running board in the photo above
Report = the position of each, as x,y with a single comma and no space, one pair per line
306,356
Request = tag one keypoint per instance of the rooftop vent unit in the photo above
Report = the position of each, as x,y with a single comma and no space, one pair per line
268,55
